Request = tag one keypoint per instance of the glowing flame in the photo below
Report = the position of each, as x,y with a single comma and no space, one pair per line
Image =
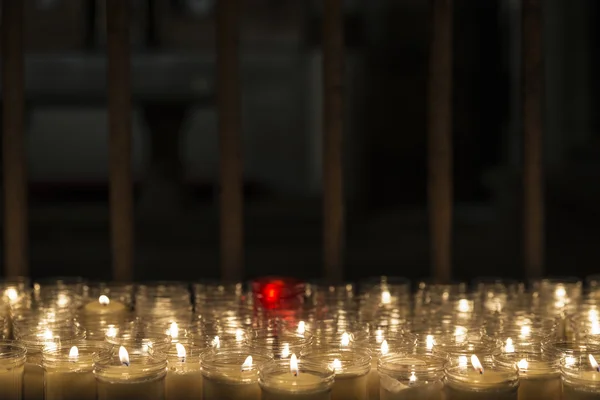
294,365
12,294
462,361
378,336
595,327
285,351
509,348
181,353
216,342
412,378
247,365
74,352
476,364
429,342
345,339
336,365
569,360
239,335
593,362
460,334
525,331
301,328
523,364
173,330
560,292
104,300
124,356
464,306
384,348
48,334
62,300
593,315
111,332
386,297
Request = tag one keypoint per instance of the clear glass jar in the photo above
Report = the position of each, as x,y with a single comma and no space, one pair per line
231,374
539,374
351,368
454,352
138,376
75,284
68,369
277,344
580,377
121,292
146,343
12,360
184,373
485,380
568,350
407,376
278,380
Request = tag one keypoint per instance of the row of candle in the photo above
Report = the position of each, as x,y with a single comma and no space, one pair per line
554,323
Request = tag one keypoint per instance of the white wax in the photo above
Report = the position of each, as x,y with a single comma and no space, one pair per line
116,384
287,386
580,391
226,389
68,385
11,383
33,382
96,308
184,384
487,386
373,381
349,387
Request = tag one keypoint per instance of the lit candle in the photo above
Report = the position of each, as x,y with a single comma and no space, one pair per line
231,374
291,380
12,360
581,378
104,306
417,377
539,375
184,375
68,371
373,378
140,377
478,383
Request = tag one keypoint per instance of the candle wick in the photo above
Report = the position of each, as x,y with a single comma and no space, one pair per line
182,359
481,372
598,368
125,363
295,374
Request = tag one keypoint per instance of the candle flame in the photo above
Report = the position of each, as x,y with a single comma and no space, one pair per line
462,361
104,300
476,364
560,292
247,365
412,378
12,294
74,352
336,365
384,348
48,334
345,339
173,330
569,360
301,327
378,335
525,331
523,364
386,297
509,348
216,342
429,342
111,332
62,300
593,362
464,306
294,365
593,315
181,353
124,356
239,335
285,351
595,327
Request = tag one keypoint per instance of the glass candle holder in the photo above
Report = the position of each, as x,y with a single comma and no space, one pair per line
277,344
404,377
184,373
68,370
539,374
295,380
567,351
131,374
231,374
581,377
12,361
351,368
147,342
105,307
475,379
378,349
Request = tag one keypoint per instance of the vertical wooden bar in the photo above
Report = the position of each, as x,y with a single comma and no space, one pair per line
532,128
333,114
13,140
230,121
440,139
119,120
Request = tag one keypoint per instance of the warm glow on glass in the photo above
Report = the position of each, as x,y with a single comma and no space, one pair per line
345,339
48,334
104,300
412,378
429,342
247,365
294,365
386,297
523,364
124,356
74,352
378,336
301,328
111,332
239,335
216,343
476,364
525,331
336,365
285,351
384,348
509,348
173,330
569,360
462,361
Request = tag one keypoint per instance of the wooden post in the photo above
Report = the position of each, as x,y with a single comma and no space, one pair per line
533,177
230,121
13,140
333,116
119,119
440,139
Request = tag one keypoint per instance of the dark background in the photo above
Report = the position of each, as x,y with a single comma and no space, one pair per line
176,141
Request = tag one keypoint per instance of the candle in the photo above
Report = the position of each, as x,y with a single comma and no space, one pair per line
539,375
581,378
68,370
184,375
231,374
12,361
373,377
295,380
351,369
479,382
417,377
140,376
104,306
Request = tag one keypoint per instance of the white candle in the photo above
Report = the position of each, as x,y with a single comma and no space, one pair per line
539,375
104,306
411,377
581,378
280,380
141,377
184,375
12,360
